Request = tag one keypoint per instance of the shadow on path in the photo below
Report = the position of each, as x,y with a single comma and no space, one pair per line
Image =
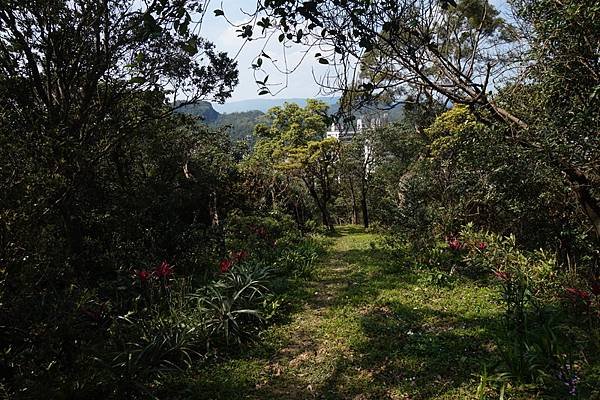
369,330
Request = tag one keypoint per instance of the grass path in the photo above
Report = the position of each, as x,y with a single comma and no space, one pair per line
364,327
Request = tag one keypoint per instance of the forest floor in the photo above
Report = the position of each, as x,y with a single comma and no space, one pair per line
364,326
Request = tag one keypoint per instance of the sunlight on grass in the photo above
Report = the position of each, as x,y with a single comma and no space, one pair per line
366,328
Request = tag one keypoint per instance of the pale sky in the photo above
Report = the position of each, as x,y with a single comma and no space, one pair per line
301,84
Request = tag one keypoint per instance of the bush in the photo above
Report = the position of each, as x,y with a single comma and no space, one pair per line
542,345
264,237
300,261
231,307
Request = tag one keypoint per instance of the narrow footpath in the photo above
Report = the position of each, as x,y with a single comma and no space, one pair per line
367,326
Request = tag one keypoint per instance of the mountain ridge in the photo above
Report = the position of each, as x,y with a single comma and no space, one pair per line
265,104
243,115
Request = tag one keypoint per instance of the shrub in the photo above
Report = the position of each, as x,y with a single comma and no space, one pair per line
540,345
264,236
300,260
231,307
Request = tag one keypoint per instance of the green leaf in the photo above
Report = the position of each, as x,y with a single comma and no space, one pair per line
137,80
191,47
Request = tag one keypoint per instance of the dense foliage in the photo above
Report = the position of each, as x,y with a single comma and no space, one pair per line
240,125
137,241
118,259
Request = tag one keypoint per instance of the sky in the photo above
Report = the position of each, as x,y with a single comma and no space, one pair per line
301,84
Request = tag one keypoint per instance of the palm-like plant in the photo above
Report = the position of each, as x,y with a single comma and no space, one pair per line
232,303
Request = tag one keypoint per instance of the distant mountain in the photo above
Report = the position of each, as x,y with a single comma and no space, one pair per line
265,104
202,109
240,124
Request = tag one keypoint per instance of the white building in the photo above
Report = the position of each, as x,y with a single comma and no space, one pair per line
345,132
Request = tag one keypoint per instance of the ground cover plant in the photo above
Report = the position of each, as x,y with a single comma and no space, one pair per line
373,324
147,253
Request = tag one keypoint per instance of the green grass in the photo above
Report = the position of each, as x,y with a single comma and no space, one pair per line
364,327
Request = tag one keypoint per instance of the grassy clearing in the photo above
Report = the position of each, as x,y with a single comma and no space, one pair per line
365,327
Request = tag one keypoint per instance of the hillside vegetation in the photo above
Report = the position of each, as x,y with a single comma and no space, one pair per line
152,250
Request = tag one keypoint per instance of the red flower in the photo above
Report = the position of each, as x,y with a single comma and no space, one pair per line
239,255
225,264
502,275
481,245
454,244
143,275
579,294
164,270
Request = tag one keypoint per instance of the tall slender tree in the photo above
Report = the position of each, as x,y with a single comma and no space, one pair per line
294,139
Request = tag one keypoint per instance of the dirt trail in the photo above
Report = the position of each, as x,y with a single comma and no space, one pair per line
308,365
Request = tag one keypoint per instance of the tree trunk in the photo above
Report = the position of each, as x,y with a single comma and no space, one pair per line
355,216
321,204
297,217
216,225
273,198
327,219
365,209
214,213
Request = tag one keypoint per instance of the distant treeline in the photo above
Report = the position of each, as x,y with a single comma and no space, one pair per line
240,125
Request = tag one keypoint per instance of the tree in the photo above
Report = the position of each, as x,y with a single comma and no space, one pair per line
561,100
423,44
314,162
358,160
79,79
348,169
503,188
294,140
92,169
461,51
